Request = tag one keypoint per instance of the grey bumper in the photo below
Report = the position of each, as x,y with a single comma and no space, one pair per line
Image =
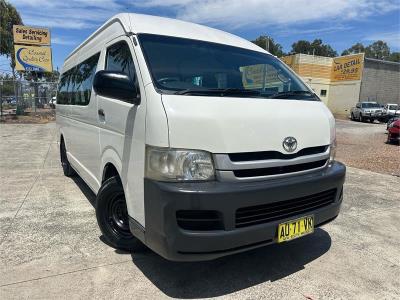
163,201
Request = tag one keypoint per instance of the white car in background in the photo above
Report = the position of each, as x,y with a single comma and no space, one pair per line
53,102
391,109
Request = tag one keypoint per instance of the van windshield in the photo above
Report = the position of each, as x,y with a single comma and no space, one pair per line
192,67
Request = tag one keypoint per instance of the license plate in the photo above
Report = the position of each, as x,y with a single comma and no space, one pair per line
296,228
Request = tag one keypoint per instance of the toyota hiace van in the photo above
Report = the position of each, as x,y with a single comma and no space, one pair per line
197,143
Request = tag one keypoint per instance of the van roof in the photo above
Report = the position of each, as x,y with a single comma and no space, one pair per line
139,23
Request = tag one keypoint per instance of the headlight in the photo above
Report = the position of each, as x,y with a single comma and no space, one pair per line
166,164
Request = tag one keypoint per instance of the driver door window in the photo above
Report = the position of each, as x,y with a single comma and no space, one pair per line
119,58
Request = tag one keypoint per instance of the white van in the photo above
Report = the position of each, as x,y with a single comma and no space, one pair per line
196,142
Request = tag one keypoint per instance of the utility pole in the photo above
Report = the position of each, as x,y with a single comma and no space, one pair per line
267,43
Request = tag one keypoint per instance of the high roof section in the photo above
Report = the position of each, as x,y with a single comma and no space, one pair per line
138,23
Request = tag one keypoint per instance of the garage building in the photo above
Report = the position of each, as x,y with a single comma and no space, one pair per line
343,81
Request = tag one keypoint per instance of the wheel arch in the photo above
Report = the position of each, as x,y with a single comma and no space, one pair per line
111,165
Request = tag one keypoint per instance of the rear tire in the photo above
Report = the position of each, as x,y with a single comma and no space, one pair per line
352,117
66,166
112,216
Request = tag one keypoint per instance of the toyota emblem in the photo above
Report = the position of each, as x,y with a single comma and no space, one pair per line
289,144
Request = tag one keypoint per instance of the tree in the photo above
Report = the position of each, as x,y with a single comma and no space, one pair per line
317,47
356,48
269,44
8,87
394,56
9,16
378,50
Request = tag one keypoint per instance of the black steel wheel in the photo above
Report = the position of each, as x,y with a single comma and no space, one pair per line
113,218
118,216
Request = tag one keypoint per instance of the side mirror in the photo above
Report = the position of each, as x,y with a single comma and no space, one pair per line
116,85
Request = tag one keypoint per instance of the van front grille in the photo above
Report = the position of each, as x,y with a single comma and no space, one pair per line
260,214
199,220
265,155
279,170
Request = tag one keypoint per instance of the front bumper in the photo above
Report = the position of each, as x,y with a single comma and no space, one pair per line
163,200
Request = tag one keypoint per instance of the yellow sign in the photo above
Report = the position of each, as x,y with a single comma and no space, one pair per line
31,35
33,58
347,67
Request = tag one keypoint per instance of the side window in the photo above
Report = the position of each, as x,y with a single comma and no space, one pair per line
119,58
75,85
71,86
62,95
83,80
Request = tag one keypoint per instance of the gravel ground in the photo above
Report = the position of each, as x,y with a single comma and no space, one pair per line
363,145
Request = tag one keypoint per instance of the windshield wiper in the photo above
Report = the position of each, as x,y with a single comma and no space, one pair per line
218,92
292,93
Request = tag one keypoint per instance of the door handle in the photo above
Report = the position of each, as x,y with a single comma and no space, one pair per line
101,113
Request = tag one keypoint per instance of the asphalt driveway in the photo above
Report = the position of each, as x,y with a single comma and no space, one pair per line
50,245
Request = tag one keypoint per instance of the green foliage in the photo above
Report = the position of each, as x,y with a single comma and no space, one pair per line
378,50
8,85
9,16
356,48
317,47
270,45
394,56
48,76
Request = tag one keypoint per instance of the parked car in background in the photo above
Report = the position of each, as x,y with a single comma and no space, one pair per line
364,111
391,120
394,132
390,110
53,102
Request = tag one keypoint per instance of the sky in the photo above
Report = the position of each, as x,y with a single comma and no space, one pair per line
340,23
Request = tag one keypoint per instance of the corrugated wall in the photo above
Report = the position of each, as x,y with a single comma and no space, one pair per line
380,82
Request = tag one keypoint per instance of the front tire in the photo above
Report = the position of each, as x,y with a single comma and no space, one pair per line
112,216
360,118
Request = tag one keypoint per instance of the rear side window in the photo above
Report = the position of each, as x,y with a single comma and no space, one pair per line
62,95
75,86
84,76
119,58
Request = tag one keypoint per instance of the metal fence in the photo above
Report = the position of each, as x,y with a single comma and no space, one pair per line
22,95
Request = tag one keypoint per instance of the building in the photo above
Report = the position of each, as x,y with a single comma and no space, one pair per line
343,81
